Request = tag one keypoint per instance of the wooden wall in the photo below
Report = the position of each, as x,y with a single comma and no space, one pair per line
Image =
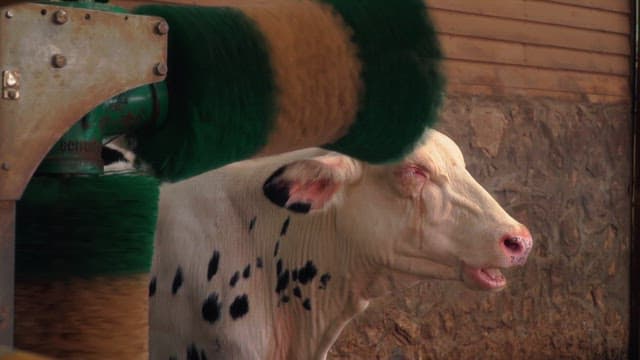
569,49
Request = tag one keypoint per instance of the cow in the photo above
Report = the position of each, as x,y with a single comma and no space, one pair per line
270,258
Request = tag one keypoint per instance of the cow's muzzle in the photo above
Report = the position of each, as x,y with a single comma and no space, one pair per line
517,246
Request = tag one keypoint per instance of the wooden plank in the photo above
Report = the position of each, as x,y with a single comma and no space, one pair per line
469,73
493,51
477,26
486,90
621,6
466,48
548,13
563,59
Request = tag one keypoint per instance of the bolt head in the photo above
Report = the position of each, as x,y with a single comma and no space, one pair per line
59,60
160,69
162,28
8,14
60,17
5,166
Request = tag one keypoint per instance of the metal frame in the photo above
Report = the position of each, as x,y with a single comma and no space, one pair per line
634,268
58,63
7,250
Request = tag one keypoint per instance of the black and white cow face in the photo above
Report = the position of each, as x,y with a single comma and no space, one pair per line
425,216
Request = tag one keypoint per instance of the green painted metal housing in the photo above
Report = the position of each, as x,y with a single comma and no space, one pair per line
78,152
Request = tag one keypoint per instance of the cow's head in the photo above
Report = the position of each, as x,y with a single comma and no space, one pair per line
424,216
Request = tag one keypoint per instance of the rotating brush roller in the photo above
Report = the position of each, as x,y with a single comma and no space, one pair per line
251,78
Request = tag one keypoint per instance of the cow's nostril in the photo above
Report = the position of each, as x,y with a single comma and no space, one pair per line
516,247
513,244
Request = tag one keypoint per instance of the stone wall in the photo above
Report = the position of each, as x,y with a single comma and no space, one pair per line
563,169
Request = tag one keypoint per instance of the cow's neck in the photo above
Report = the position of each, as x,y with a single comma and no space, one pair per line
310,334
305,323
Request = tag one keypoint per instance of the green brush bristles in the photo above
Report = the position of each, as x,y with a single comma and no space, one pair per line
221,100
86,226
401,57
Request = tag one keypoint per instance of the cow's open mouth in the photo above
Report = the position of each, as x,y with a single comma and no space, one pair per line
484,278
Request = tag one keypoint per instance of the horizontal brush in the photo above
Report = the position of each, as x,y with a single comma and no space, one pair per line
253,78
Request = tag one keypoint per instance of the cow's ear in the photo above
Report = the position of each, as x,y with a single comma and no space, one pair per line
311,184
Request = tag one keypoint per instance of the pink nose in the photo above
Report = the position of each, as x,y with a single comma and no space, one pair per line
517,246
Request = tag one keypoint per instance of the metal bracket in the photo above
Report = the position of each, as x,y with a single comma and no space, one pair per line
11,84
61,62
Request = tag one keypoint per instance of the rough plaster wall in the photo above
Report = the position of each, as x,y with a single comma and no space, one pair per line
563,169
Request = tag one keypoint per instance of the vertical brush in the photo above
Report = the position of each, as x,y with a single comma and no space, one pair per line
83,250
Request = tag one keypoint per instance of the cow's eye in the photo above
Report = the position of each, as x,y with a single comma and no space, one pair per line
415,170
410,179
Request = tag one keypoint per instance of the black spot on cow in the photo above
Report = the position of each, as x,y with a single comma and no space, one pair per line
283,281
252,223
192,353
324,280
239,307
279,267
246,272
177,281
299,207
306,304
212,269
203,355
285,227
234,279
294,275
285,299
297,292
259,262
152,286
211,308
307,272
276,249
276,190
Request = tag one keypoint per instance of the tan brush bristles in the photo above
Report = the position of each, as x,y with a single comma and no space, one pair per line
20,355
317,70
89,319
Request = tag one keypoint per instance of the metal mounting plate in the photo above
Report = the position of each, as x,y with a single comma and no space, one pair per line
70,60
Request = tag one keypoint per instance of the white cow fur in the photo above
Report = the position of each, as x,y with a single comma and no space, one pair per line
385,228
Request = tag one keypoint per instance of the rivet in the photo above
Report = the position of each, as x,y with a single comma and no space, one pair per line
60,17
5,166
8,14
160,69
162,28
59,61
